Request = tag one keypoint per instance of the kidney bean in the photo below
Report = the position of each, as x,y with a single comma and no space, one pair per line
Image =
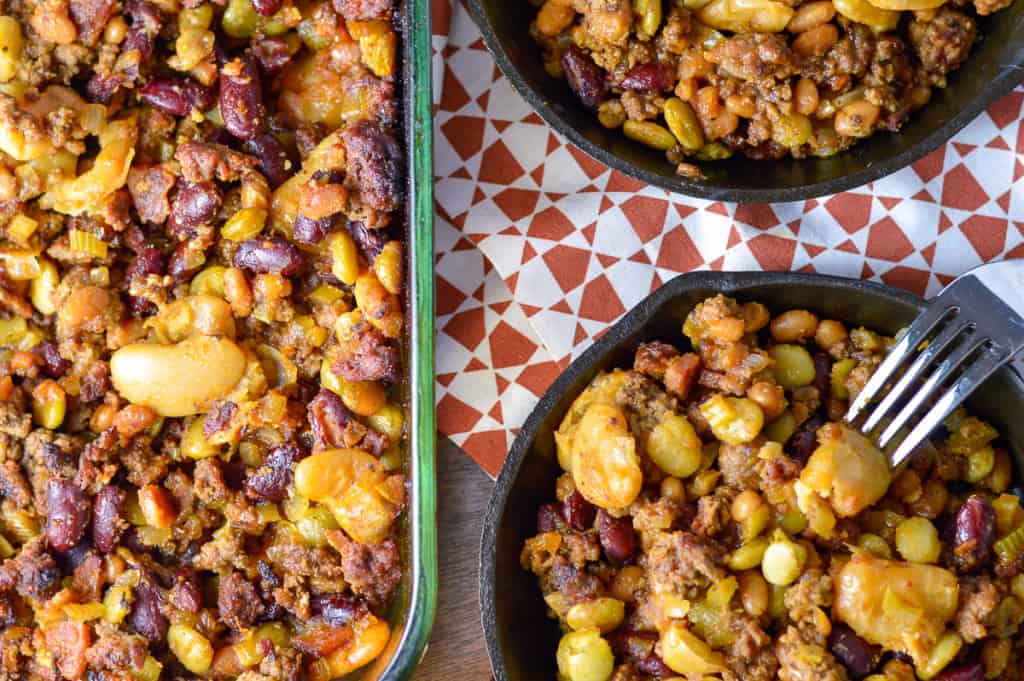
338,610
578,512
148,261
617,536
192,204
973,534
185,262
264,255
54,365
852,651
270,481
648,78
145,617
185,594
309,231
804,441
266,8
101,87
822,374
146,22
972,671
67,513
585,78
549,518
176,97
370,242
328,420
272,54
241,98
108,518
653,665
273,158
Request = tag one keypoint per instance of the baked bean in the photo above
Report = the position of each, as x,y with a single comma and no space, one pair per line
611,26
794,326
932,500
829,334
753,592
627,583
770,397
708,104
724,124
755,317
741,105
157,506
744,505
811,15
554,17
674,489
857,119
805,96
816,41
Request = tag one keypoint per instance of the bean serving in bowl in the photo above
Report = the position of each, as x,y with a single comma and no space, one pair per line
715,519
681,82
703,79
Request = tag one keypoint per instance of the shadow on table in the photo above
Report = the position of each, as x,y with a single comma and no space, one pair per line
456,651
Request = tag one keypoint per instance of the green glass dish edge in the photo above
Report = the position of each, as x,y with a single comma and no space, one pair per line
414,607
422,433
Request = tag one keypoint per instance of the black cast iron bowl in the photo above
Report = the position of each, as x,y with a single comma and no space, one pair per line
995,66
521,639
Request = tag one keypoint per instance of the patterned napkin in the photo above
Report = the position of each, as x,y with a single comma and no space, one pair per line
540,248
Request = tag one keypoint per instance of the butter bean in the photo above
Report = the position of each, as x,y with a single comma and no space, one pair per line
180,379
857,119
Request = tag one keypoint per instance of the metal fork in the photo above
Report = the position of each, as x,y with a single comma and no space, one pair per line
967,332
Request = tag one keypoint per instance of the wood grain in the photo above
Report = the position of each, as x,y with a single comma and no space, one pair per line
456,651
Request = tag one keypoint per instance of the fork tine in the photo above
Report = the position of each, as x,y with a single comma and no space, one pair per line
941,373
923,361
950,400
917,332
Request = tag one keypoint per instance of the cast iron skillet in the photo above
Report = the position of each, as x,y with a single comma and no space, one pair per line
521,640
995,66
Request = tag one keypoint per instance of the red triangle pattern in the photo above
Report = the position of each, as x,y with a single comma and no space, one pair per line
547,213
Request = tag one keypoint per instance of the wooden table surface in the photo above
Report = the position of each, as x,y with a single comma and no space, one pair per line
456,651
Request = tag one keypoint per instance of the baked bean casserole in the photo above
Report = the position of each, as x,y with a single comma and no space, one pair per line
718,521
703,79
200,272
